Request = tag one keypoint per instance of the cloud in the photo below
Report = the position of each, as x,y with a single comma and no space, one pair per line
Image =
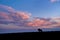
23,15
12,26
44,23
21,20
54,1
4,16
39,23
8,8
57,19
12,14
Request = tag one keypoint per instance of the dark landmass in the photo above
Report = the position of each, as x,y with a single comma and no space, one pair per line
30,35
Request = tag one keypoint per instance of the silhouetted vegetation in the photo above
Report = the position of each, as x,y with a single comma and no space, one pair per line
40,30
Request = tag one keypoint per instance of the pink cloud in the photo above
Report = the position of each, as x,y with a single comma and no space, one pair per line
38,23
4,16
17,14
44,23
22,19
23,15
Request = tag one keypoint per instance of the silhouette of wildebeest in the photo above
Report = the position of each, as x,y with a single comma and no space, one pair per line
40,30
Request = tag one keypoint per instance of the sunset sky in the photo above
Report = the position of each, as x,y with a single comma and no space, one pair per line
29,14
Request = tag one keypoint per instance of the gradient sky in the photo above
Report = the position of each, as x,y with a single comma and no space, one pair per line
39,8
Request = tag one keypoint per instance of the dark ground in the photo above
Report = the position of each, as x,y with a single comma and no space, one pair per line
26,35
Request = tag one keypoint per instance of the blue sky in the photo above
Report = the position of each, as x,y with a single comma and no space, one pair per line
39,8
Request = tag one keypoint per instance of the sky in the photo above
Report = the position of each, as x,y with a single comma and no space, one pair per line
39,8
29,14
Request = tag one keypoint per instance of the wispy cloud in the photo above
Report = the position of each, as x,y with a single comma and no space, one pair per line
12,26
54,1
8,8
